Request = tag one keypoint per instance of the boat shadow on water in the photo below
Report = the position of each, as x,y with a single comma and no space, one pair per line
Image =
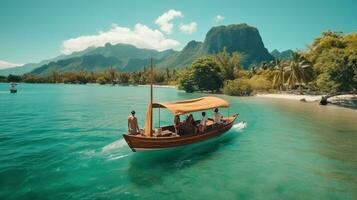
150,168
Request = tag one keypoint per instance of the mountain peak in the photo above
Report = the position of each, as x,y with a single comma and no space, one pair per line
283,55
192,45
241,38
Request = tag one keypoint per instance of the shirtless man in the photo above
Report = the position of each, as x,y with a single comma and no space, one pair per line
133,127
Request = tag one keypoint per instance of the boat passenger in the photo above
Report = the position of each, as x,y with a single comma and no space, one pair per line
191,124
191,121
177,124
202,125
133,127
217,117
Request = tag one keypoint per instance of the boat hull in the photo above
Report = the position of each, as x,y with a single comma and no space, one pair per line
140,143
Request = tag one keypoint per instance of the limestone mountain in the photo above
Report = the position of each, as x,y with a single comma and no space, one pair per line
183,58
87,62
242,38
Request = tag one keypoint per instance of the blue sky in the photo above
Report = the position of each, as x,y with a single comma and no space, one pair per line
33,30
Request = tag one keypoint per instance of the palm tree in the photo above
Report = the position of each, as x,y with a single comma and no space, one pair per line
81,76
111,75
279,75
55,76
298,71
228,63
253,70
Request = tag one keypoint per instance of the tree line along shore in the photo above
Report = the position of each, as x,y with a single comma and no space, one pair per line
327,66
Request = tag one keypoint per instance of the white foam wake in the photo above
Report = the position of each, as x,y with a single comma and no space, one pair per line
114,145
240,126
113,157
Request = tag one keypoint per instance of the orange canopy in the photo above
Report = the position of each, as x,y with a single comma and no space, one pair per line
192,105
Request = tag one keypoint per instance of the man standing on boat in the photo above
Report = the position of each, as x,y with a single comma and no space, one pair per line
202,125
177,124
133,127
217,117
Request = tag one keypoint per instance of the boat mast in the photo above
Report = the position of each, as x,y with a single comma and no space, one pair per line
148,122
151,82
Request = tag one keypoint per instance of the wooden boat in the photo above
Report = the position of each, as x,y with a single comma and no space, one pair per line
165,137
13,88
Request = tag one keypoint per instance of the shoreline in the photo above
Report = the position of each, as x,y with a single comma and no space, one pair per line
346,100
298,97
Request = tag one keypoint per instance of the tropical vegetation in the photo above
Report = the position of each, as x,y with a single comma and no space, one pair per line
327,66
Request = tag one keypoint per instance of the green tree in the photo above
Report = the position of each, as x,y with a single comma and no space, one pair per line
228,63
253,70
13,78
237,87
55,77
101,80
81,76
206,74
168,75
333,56
186,80
123,78
3,79
111,75
91,77
297,71
135,77
159,77
279,75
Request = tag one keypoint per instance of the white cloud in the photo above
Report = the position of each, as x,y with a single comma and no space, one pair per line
141,36
164,20
4,64
218,18
188,28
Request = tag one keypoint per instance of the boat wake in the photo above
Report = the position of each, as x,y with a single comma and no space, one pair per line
240,126
114,145
116,157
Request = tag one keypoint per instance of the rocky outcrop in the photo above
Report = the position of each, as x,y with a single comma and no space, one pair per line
242,38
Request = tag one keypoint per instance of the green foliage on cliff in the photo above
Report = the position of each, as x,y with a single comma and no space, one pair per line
334,59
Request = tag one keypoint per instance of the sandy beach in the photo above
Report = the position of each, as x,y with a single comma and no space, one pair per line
160,86
347,100
308,98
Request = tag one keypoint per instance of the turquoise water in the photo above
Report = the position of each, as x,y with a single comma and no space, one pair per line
64,142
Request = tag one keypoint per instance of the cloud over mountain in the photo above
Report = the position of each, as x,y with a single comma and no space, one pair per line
140,36
5,64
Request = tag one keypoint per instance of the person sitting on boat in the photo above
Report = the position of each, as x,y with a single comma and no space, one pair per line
217,117
191,124
177,124
202,125
133,127
191,120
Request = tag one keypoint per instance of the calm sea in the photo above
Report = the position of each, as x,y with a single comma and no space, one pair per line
65,142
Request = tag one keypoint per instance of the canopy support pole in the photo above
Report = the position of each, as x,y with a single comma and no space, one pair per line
159,117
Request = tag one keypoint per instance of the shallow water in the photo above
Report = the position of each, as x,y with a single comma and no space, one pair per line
64,142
